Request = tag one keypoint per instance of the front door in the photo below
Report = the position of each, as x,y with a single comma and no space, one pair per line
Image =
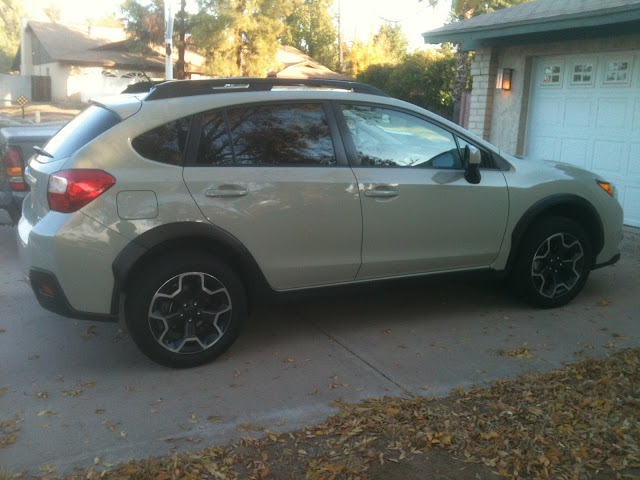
419,213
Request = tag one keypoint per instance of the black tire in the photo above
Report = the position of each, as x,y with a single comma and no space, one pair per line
185,309
553,263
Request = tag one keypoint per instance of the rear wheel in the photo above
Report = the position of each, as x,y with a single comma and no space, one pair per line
185,309
554,262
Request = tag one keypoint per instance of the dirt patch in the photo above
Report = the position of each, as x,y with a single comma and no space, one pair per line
12,115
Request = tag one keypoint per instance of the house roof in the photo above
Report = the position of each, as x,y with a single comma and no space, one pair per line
99,46
292,63
536,20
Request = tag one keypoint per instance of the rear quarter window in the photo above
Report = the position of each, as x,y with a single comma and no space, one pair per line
86,126
166,143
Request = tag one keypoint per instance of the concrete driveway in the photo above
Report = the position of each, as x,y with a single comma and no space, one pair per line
74,392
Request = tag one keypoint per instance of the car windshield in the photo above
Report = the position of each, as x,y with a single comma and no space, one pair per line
86,126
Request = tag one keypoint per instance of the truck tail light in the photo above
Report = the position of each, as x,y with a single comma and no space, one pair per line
70,190
13,160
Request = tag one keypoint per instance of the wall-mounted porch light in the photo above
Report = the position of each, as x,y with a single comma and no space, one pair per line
503,80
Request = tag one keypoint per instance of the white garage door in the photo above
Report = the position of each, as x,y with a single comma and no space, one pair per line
585,110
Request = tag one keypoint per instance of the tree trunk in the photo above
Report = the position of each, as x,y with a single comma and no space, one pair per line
182,44
463,66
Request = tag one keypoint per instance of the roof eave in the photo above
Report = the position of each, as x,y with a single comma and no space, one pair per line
156,67
472,37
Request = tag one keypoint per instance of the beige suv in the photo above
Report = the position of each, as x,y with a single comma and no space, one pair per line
182,206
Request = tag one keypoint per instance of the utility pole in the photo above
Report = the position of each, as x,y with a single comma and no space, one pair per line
340,57
168,40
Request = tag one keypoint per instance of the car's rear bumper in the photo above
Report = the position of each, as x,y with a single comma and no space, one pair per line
51,297
77,254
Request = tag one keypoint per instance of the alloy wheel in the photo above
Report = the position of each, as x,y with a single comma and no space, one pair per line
190,312
557,265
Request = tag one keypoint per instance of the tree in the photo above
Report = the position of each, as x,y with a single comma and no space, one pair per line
240,37
393,40
424,78
310,29
388,46
10,12
145,26
110,21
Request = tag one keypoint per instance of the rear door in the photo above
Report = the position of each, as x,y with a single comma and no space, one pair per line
419,213
276,177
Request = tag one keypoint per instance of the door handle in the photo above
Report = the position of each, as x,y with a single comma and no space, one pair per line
226,191
381,191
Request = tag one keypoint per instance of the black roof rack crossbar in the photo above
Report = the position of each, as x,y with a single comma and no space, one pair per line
187,88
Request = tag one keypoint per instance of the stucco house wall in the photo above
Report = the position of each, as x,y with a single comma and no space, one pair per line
501,116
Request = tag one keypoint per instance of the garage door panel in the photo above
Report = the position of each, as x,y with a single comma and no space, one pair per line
612,113
544,147
607,156
634,160
548,113
578,112
632,206
575,151
588,121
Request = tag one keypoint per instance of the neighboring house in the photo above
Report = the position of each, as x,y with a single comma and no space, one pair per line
80,62
292,63
575,85
83,62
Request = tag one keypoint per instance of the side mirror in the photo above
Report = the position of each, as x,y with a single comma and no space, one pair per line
472,159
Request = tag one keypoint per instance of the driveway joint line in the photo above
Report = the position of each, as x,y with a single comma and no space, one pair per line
334,339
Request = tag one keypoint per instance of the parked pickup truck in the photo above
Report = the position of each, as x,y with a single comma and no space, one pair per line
16,147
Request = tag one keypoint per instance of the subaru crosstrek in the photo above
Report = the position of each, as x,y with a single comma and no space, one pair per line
180,206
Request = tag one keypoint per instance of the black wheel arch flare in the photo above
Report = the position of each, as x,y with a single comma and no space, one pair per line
560,205
186,235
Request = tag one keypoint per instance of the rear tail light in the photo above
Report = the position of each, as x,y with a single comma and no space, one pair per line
13,160
70,190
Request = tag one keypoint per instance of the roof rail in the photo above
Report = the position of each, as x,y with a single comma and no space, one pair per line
186,88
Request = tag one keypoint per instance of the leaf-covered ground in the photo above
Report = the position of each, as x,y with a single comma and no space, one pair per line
582,421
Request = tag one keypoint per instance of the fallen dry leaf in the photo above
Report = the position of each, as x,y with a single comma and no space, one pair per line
88,333
72,393
521,352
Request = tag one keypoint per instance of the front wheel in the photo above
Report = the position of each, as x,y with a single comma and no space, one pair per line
554,262
185,309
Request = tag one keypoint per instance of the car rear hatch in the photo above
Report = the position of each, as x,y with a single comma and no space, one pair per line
85,127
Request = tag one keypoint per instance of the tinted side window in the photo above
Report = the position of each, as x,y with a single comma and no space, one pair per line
485,162
84,127
388,138
166,143
214,147
281,135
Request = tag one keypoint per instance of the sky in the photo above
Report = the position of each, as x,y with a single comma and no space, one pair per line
360,18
